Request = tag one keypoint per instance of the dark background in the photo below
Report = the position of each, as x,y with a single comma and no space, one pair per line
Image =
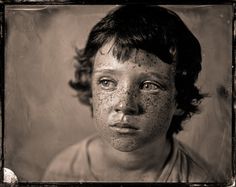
42,114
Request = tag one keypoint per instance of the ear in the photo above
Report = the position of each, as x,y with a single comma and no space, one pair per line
178,112
91,101
91,105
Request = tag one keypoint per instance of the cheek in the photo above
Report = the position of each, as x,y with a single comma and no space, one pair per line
102,104
158,116
158,101
159,108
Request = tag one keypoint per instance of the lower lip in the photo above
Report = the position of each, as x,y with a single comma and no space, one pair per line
124,130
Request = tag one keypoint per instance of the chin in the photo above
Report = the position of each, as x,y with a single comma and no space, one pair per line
124,145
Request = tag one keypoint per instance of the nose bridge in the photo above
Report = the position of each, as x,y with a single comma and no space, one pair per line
127,91
127,99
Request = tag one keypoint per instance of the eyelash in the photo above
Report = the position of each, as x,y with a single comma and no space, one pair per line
110,84
154,86
105,81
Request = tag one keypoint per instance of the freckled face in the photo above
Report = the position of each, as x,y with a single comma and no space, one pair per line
133,101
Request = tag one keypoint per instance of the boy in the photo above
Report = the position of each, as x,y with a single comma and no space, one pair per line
137,73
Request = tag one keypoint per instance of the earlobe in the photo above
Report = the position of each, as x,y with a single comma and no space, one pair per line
91,101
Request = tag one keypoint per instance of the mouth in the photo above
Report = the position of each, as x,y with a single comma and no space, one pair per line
123,128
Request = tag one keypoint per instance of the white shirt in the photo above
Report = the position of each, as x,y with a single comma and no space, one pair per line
183,165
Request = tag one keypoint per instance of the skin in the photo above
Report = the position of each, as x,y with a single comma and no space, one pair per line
133,104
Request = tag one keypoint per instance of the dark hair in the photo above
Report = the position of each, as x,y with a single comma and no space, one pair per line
156,30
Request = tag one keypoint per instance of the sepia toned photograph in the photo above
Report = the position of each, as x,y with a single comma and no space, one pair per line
119,93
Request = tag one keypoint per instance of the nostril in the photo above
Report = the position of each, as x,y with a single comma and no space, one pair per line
129,109
127,102
119,107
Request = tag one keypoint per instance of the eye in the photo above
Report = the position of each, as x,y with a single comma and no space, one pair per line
107,84
150,86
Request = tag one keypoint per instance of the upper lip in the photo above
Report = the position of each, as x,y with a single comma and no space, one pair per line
124,125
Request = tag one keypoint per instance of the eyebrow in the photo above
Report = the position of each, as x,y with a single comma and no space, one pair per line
114,71
154,74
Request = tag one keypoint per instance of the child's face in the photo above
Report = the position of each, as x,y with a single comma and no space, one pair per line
133,101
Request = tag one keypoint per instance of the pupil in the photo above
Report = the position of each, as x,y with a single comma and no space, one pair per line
105,82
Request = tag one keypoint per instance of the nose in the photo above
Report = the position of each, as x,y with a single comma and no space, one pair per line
127,104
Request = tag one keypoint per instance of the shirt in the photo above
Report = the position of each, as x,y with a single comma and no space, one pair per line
73,165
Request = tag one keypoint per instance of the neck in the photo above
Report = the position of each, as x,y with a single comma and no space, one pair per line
151,156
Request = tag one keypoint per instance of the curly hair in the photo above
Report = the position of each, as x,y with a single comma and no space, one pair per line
153,29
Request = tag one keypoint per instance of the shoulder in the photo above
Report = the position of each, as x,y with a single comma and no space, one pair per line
190,167
63,166
197,168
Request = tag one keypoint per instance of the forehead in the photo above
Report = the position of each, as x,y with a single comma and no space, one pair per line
137,58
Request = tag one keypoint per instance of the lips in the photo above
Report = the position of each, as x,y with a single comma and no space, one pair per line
124,128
